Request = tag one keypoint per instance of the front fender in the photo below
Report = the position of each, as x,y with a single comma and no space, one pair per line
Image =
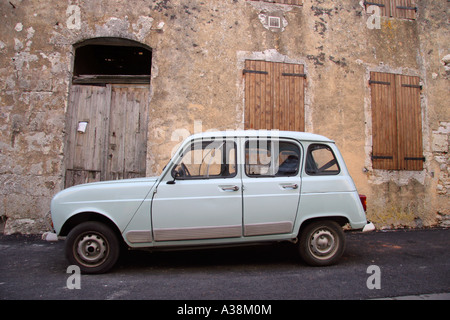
116,200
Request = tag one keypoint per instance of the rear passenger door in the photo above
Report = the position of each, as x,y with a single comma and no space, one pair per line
271,185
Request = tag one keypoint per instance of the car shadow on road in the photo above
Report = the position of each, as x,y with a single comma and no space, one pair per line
280,254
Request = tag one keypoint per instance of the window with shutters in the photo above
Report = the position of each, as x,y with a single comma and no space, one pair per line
274,95
404,9
289,2
396,122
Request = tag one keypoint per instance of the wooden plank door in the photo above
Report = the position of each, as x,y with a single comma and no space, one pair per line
274,96
127,132
88,113
106,133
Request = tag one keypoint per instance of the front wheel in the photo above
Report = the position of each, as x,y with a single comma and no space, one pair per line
92,246
322,243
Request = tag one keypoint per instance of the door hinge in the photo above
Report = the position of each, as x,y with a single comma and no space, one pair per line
418,86
379,82
382,157
407,8
254,71
303,75
415,158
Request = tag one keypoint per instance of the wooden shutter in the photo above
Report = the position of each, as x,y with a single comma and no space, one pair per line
274,96
410,151
404,9
396,122
384,6
290,2
384,121
257,95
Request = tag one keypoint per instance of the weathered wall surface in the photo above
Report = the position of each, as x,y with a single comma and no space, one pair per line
199,48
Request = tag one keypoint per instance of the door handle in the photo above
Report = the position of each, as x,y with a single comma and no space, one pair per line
229,188
289,186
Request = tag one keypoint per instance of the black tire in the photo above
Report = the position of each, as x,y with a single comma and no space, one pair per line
322,243
92,246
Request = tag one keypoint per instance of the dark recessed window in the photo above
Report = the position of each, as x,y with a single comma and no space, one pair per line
109,61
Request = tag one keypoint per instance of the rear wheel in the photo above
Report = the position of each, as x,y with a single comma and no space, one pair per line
93,246
322,243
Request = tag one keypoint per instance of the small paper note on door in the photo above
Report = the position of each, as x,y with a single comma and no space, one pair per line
82,125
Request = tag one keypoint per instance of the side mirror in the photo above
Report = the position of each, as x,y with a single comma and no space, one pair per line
175,173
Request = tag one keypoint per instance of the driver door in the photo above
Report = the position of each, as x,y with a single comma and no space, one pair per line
201,198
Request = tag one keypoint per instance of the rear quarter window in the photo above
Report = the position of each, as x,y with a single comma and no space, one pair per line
320,160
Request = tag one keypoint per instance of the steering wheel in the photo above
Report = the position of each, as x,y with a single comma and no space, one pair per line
184,170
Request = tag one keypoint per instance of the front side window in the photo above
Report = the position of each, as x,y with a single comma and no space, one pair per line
320,160
207,159
265,158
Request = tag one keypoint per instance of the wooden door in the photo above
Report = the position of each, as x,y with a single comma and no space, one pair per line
127,132
106,133
274,95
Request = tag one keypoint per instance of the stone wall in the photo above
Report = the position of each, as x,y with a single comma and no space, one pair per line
198,51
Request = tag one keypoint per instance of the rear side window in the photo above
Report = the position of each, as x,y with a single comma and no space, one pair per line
266,158
321,160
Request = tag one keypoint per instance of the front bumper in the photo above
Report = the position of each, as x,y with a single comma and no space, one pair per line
368,227
50,236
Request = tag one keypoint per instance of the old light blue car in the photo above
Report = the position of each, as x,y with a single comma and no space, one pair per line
220,188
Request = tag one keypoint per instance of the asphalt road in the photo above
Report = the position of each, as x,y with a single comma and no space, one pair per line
410,262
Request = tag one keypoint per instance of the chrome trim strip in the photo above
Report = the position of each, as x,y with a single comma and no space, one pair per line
197,233
268,228
139,236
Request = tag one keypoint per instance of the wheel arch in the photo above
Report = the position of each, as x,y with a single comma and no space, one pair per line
341,220
89,216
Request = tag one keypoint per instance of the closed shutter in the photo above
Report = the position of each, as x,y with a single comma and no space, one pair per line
384,121
396,122
404,9
290,2
410,151
384,6
274,96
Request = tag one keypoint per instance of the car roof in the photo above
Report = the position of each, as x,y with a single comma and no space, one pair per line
302,136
